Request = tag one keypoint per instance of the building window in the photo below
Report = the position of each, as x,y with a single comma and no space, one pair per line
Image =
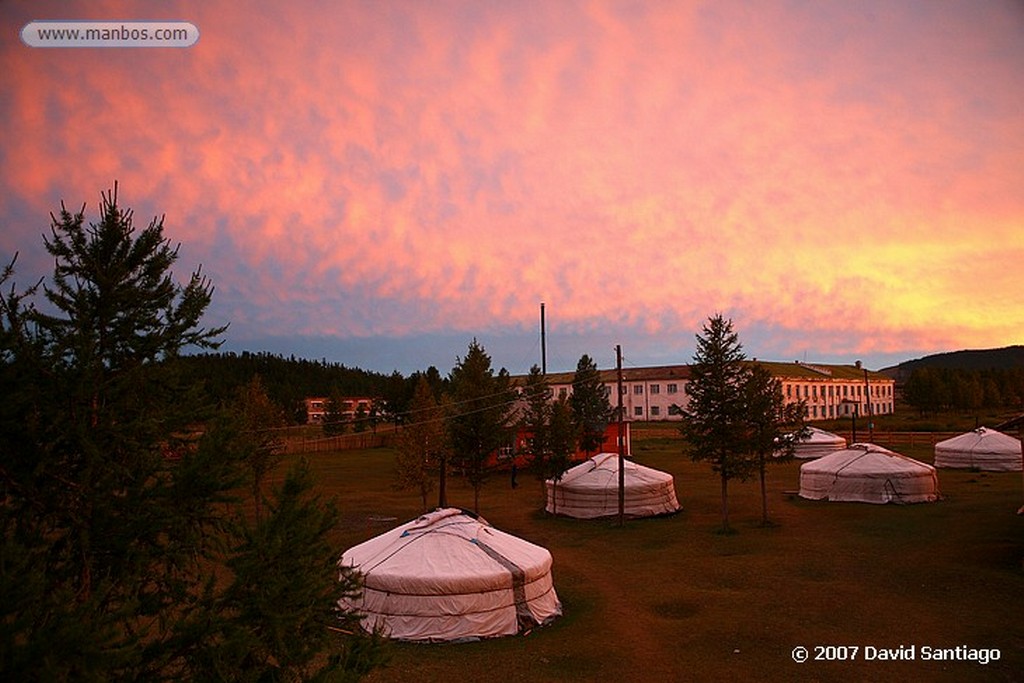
638,389
655,410
655,388
562,392
789,391
673,388
638,411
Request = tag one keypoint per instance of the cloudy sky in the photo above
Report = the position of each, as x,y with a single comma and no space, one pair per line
379,182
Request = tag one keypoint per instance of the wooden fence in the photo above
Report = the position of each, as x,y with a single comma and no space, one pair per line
294,444
343,442
890,438
882,438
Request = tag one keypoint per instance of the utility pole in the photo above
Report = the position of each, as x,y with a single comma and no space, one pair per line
871,408
543,344
442,488
622,438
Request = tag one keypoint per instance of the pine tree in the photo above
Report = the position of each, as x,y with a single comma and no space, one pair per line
772,425
714,421
479,425
117,477
535,421
116,531
361,419
422,444
335,421
562,439
278,616
263,450
591,410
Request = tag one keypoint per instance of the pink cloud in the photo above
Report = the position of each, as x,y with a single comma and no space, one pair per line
834,172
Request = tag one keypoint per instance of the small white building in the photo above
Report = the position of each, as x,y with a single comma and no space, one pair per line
317,408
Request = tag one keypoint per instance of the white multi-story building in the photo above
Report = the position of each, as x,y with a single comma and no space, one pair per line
830,391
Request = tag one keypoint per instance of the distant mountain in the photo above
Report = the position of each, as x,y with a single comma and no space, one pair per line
982,359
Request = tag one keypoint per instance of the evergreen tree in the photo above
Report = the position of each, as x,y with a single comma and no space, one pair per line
262,449
115,531
480,423
373,416
990,397
714,422
562,439
422,444
591,410
335,420
117,480
361,419
552,431
278,616
535,420
772,425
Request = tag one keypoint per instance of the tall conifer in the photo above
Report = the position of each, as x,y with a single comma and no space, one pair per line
714,422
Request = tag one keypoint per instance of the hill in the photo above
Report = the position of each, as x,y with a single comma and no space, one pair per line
1004,358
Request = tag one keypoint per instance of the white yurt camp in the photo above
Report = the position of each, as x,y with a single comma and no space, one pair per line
449,575
868,473
591,489
817,442
983,449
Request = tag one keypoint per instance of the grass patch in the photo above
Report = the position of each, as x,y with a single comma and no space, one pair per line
669,599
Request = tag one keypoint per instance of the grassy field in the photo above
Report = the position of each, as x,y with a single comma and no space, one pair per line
670,599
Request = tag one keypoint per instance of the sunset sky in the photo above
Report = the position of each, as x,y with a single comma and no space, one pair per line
379,182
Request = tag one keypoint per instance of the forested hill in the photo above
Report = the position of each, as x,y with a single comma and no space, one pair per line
963,380
289,380
1005,358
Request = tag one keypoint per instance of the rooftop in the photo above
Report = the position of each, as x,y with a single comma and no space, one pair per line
795,370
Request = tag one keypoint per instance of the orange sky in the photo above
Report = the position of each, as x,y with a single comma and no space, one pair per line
378,182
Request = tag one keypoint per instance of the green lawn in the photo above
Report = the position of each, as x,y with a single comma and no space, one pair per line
671,600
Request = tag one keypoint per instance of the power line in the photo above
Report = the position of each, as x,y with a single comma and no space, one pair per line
519,396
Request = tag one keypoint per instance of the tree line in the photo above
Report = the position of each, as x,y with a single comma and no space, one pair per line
737,419
934,389
470,420
289,380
